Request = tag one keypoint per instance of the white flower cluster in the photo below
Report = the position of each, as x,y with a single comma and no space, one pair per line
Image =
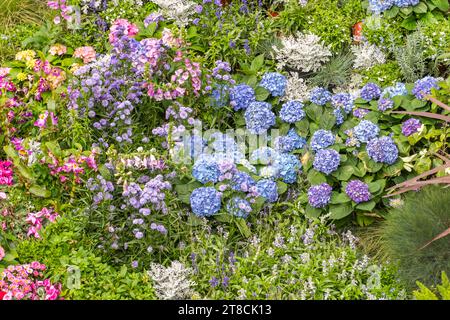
87,5
178,10
367,55
296,88
304,52
172,283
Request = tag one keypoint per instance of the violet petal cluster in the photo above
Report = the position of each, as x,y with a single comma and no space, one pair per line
358,191
319,195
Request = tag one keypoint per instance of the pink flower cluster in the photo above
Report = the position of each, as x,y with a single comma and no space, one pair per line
36,220
65,10
6,84
23,282
87,53
177,87
122,27
72,165
57,50
2,253
41,122
6,173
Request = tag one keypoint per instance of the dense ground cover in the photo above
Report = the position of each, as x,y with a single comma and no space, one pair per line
224,149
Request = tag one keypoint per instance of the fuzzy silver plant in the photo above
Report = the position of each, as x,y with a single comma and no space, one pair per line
178,10
304,52
172,283
367,55
296,88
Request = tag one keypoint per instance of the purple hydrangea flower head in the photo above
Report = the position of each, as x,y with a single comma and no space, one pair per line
370,92
344,101
411,126
382,150
422,87
319,195
275,83
239,207
268,189
319,96
326,161
205,201
385,104
288,166
360,112
241,96
242,181
366,131
153,18
292,111
258,117
358,191
291,141
206,170
322,139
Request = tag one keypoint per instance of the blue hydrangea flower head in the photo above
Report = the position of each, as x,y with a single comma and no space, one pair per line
267,188
379,6
206,170
406,3
326,161
290,142
344,101
319,195
241,96
382,150
275,83
205,201
292,111
288,166
366,130
358,191
370,92
242,181
258,117
339,116
239,207
399,89
264,155
385,104
322,139
422,87
319,96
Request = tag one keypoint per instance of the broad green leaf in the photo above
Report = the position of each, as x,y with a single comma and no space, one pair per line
420,8
344,173
340,211
312,212
410,23
443,5
338,198
391,13
366,206
315,177
257,63
261,93
281,187
40,191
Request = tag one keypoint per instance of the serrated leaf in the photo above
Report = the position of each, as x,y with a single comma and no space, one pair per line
312,212
338,198
340,211
261,93
344,173
315,177
443,5
410,23
366,206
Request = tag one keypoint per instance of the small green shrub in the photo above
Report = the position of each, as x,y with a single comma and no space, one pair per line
425,293
287,258
423,216
82,274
